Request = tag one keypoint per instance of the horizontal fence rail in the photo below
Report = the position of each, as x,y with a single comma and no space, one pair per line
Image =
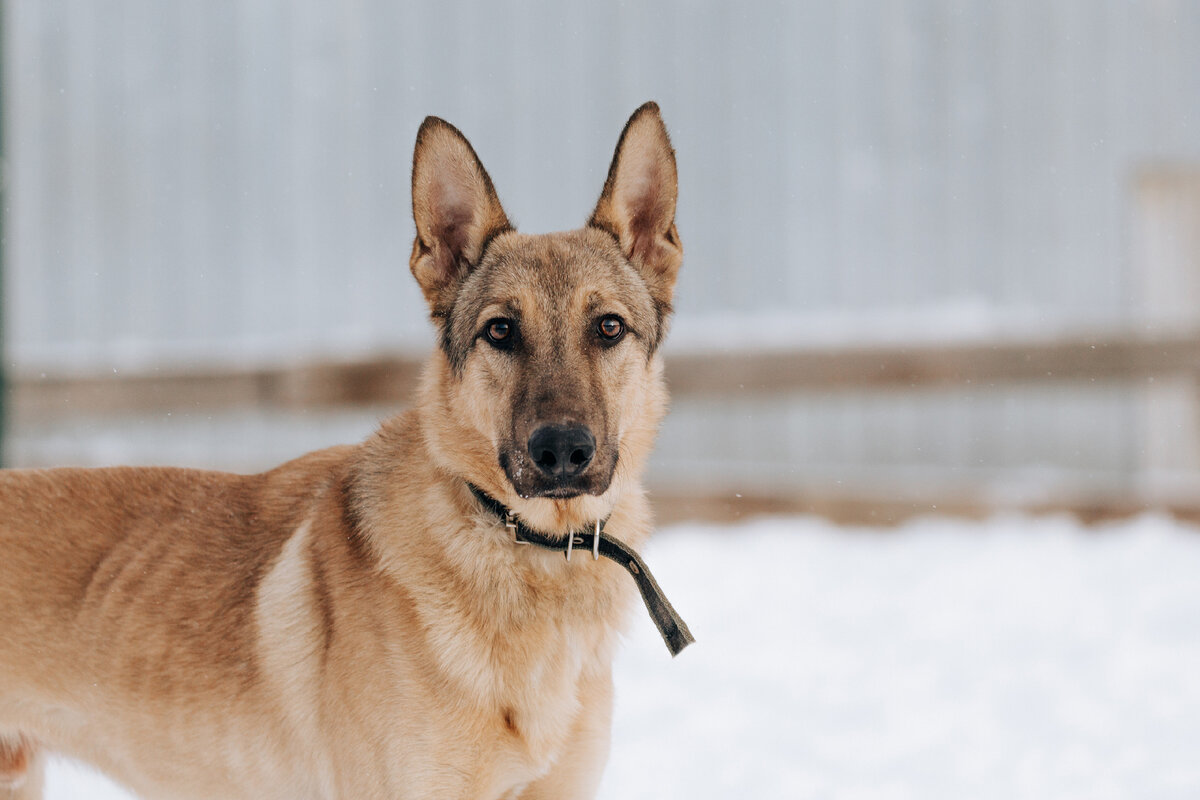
1156,361
390,380
955,364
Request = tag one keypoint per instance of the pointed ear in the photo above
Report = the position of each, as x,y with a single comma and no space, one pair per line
455,208
637,205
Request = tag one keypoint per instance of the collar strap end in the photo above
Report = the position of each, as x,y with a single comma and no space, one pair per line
670,625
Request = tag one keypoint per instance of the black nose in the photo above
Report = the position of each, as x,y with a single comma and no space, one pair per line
562,451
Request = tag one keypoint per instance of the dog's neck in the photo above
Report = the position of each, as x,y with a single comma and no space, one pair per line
672,627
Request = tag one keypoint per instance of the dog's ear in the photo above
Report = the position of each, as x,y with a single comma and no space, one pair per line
455,208
637,205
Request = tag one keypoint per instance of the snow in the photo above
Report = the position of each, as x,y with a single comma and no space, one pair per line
1015,657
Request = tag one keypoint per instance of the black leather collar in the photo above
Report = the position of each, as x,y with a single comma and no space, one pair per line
672,627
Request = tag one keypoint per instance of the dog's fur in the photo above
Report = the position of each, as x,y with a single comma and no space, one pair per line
354,624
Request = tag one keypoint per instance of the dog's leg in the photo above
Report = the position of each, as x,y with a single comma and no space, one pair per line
21,769
577,773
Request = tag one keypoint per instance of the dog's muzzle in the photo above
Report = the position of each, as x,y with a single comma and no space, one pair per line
558,461
562,452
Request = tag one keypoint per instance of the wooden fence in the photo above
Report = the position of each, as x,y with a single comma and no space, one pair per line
200,194
1129,358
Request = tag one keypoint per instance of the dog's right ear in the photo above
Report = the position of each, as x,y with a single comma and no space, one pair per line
637,205
455,208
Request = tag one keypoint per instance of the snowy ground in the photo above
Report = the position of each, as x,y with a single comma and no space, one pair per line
1017,657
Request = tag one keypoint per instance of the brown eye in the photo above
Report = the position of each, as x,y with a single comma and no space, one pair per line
499,332
611,328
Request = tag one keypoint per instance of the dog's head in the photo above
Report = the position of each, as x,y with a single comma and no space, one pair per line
548,386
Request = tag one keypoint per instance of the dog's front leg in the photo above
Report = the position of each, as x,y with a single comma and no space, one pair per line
576,773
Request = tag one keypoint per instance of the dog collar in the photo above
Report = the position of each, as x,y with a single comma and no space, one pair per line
672,627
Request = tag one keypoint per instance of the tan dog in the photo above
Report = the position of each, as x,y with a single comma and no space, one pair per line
359,623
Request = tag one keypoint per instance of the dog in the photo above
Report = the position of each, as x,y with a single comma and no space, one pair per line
393,619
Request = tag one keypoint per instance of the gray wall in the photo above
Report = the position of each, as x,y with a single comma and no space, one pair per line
198,182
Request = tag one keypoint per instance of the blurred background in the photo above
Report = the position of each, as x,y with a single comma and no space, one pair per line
939,255
942,261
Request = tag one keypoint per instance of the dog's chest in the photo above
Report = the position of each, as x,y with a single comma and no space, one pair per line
537,716
538,673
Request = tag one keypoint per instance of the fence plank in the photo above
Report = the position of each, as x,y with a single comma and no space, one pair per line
730,374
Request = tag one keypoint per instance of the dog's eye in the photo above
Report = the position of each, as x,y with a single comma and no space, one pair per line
611,328
500,332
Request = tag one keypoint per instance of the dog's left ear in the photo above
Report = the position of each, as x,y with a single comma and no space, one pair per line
637,205
455,208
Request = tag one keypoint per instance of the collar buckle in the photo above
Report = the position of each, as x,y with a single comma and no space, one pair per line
510,522
673,629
